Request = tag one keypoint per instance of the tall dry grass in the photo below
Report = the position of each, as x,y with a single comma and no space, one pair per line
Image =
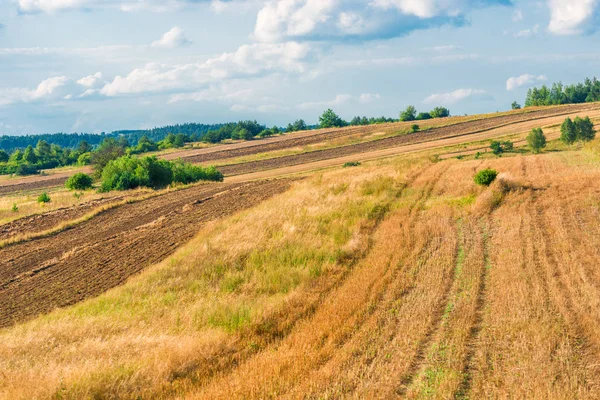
236,288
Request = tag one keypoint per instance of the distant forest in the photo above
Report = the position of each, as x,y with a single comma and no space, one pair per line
586,92
71,140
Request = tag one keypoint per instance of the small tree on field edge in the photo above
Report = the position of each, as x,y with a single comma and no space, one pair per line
410,114
536,140
568,132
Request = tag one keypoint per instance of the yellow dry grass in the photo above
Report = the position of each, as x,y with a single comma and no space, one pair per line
398,278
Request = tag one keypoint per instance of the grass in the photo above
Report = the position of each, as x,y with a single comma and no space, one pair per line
401,277
234,277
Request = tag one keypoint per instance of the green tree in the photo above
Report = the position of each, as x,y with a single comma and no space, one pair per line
440,112
515,106
536,140
43,149
3,156
423,116
496,147
330,119
79,181
585,129
300,125
17,155
110,149
568,132
409,114
85,147
29,155
415,128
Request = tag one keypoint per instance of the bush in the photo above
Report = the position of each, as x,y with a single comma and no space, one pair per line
131,172
485,177
415,128
44,198
15,208
187,173
79,181
26,169
500,147
351,164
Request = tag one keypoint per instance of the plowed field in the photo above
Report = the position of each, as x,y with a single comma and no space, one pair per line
39,275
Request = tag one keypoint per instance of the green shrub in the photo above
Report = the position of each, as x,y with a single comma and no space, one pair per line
44,198
79,181
415,128
485,177
130,172
351,164
15,208
187,173
26,169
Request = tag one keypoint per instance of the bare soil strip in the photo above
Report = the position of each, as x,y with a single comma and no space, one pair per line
463,132
92,257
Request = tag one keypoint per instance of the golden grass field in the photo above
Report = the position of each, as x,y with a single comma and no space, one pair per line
399,278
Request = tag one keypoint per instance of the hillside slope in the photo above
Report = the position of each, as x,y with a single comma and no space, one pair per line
399,278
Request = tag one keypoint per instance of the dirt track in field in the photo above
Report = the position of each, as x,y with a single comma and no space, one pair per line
96,255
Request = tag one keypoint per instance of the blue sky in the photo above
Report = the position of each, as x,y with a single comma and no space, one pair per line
102,65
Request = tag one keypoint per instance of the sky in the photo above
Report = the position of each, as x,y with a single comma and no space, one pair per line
104,65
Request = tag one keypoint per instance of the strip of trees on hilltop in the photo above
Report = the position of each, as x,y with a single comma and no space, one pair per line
586,92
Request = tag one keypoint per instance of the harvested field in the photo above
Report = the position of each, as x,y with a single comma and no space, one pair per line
458,128
398,278
452,127
463,133
40,275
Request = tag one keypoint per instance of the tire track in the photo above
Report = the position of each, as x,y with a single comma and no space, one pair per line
480,310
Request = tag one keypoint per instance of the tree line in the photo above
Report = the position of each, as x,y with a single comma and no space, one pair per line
46,156
586,92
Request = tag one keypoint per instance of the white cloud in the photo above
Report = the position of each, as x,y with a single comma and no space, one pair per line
247,61
524,80
456,96
572,17
53,88
175,37
330,19
91,80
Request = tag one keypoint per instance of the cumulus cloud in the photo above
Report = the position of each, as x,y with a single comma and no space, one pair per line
456,96
573,17
248,61
51,88
347,19
175,37
523,80
91,81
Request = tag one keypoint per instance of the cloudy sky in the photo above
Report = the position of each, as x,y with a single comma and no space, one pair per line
102,65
